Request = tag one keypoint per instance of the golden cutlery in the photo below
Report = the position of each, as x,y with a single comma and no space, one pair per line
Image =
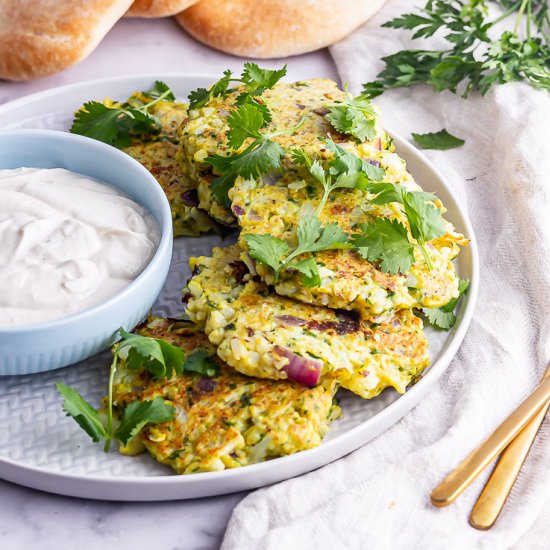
455,482
496,490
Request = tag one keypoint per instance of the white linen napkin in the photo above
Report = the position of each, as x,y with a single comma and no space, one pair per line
378,497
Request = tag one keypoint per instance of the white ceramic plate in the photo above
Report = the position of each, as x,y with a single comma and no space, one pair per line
43,449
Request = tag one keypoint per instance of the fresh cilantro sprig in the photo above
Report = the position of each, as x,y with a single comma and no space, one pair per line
161,359
386,241
389,241
441,140
119,124
312,237
355,116
474,60
254,79
444,316
259,157
346,171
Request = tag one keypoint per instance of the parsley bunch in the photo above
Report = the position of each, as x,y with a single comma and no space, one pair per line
254,79
158,357
259,157
346,171
388,241
473,60
119,124
312,237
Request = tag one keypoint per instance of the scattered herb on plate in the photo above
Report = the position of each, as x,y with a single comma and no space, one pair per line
441,140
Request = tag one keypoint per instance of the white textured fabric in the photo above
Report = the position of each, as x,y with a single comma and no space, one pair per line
378,497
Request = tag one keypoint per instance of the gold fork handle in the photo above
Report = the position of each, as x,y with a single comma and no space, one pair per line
455,482
496,491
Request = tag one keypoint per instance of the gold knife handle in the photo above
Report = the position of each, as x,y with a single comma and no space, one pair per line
498,487
455,482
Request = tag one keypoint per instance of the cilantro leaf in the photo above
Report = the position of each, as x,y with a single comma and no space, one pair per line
345,171
261,156
82,412
201,361
309,271
444,317
139,413
386,241
312,237
244,123
220,189
441,140
258,80
355,116
255,80
113,125
201,96
258,158
425,219
247,99
266,249
155,355
160,90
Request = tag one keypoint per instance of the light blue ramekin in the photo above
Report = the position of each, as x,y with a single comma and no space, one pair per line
47,346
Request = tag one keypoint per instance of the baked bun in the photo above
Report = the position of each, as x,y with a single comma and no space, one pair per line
274,28
42,37
158,8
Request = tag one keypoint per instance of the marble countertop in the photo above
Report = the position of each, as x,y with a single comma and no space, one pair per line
31,519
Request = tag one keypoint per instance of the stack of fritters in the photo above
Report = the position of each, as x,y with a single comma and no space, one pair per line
358,323
292,344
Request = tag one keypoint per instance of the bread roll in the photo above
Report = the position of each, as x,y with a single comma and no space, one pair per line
158,8
274,28
41,37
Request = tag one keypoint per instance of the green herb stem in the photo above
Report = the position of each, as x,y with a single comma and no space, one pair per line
520,14
506,14
112,371
426,257
327,191
288,131
156,100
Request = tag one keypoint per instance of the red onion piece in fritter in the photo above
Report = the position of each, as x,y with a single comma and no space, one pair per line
190,197
291,321
237,210
299,369
207,384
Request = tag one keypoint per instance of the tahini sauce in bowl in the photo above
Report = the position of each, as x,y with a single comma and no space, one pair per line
67,243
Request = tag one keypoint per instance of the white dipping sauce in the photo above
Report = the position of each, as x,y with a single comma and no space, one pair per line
67,242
